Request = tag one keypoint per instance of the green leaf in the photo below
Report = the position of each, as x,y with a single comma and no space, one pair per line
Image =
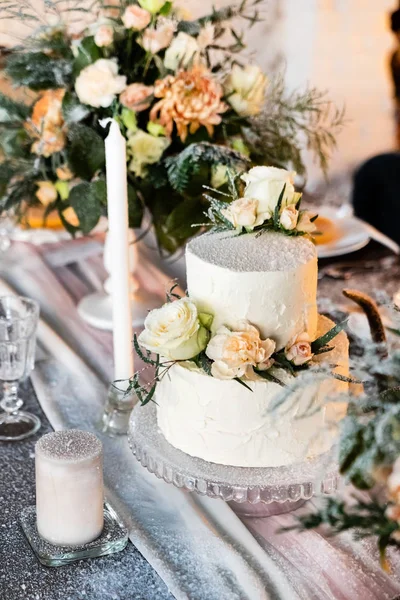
88,199
38,71
135,208
12,111
323,340
243,383
73,110
278,208
269,377
88,53
179,223
281,359
85,151
129,119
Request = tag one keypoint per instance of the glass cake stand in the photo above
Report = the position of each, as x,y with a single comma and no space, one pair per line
256,492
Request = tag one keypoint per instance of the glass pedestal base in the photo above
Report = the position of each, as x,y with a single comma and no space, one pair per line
18,427
271,490
113,538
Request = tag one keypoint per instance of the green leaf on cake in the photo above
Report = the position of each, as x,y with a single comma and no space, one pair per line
243,383
88,200
85,151
319,344
277,211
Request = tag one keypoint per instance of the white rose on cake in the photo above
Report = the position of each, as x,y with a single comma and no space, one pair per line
265,184
98,84
174,331
289,217
298,351
235,353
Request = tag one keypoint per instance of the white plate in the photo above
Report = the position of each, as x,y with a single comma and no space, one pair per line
352,234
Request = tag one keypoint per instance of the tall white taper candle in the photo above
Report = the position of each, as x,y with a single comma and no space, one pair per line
117,202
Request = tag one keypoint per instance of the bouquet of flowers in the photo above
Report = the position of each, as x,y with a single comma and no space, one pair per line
187,102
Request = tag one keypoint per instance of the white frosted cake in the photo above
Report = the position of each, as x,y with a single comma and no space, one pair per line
269,281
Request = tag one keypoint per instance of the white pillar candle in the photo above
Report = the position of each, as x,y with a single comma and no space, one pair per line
117,203
69,487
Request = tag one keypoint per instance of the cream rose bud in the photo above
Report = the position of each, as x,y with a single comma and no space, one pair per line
304,223
136,96
298,351
174,331
99,83
47,193
181,52
235,353
288,218
135,17
104,36
265,184
245,89
156,38
242,213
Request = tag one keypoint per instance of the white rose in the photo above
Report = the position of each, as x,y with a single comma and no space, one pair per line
156,38
298,351
304,223
206,36
181,52
145,149
174,331
235,353
243,213
265,184
288,218
104,36
135,17
245,89
99,83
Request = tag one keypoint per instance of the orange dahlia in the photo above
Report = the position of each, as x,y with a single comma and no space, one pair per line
189,99
47,124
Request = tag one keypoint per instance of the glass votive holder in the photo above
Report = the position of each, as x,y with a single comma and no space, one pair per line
117,410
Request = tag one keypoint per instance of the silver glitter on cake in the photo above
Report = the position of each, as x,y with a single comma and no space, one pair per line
251,252
69,445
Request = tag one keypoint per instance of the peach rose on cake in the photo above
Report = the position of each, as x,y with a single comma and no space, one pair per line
235,353
174,331
289,217
265,184
298,351
243,213
135,17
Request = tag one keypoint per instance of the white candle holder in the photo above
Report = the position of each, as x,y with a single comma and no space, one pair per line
113,538
96,309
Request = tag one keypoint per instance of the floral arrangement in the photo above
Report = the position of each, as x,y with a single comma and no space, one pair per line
178,333
269,203
187,102
369,446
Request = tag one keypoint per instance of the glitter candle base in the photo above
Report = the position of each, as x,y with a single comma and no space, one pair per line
113,538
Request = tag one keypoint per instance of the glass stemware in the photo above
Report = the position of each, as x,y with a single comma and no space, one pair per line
18,323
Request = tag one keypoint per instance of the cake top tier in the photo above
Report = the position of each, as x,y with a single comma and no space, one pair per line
268,252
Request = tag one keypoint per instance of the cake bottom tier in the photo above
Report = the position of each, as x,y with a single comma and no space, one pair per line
225,423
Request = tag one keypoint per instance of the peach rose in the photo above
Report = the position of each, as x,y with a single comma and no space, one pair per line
156,38
136,96
235,353
298,351
104,36
243,213
136,18
289,216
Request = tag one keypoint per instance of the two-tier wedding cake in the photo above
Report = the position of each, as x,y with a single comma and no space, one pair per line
246,367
